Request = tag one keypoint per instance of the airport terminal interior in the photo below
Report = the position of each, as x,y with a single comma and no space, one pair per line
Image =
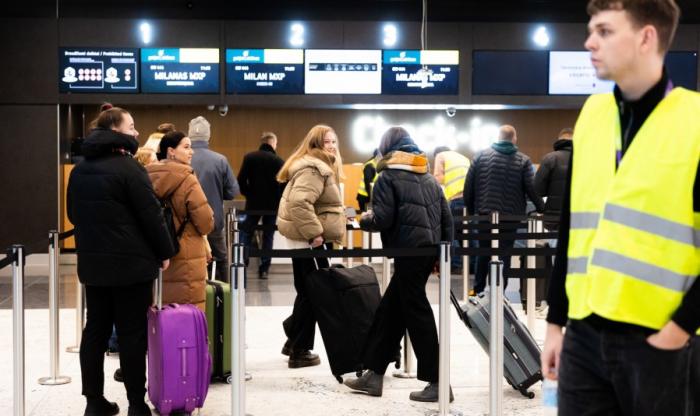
451,72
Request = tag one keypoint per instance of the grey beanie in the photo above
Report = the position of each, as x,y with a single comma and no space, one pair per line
199,129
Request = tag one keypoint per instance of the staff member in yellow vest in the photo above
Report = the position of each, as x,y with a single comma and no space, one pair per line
369,177
451,171
626,273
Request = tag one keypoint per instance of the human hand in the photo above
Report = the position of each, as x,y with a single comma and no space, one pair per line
316,242
551,351
670,337
165,265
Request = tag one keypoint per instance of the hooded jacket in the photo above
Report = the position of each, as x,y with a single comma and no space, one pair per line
550,179
409,208
311,204
121,236
500,179
185,279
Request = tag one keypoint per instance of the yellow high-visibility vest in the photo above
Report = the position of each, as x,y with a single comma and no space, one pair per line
456,167
634,243
362,191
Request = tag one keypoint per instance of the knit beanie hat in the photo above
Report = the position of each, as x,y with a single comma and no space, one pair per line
199,129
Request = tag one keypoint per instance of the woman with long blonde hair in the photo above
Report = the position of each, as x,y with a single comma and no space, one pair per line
311,212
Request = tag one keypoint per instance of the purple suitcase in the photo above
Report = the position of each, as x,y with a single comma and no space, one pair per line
179,365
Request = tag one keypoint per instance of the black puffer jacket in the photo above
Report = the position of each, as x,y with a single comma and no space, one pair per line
499,181
550,179
121,237
409,208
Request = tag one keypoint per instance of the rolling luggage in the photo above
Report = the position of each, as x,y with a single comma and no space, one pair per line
179,365
521,357
344,301
218,310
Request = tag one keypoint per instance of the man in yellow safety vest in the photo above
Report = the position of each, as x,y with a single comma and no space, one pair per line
369,177
451,171
626,272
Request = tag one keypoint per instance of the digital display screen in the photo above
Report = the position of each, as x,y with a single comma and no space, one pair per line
571,73
420,72
329,71
265,71
509,72
180,71
107,70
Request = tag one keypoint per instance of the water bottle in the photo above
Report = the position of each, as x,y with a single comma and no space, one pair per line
549,397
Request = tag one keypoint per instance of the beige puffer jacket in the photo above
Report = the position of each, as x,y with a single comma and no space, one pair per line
311,204
185,281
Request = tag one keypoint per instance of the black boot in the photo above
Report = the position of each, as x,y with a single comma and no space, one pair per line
139,409
287,349
299,359
370,382
428,394
99,406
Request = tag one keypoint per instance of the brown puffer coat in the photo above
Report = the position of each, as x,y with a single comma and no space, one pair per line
185,279
311,204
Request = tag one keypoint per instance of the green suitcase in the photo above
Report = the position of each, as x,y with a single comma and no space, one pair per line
218,310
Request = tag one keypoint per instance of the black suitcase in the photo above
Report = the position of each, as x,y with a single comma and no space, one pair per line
344,301
521,357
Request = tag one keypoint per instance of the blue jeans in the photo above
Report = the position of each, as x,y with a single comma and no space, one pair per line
247,230
611,371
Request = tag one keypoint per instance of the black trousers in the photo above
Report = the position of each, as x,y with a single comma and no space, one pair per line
126,308
268,236
606,372
300,326
482,263
405,306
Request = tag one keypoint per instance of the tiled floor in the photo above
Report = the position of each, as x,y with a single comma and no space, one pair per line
275,389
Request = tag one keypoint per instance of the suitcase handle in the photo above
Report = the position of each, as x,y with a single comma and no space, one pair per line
460,312
316,261
158,292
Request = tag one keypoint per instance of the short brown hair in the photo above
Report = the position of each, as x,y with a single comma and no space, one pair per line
165,128
568,131
112,117
266,136
506,133
662,14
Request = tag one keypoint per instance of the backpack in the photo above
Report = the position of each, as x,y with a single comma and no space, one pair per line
167,210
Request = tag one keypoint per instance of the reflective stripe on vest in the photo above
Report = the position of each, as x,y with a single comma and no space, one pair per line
456,167
634,244
362,191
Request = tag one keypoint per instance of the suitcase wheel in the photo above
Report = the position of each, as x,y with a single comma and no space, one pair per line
528,394
358,373
340,379
229,380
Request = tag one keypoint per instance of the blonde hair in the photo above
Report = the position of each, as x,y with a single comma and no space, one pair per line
145,156
313,145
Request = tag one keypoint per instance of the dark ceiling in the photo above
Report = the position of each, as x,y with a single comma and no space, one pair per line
381,10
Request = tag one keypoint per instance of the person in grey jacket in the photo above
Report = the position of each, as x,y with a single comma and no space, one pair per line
219,184
410,210
499,179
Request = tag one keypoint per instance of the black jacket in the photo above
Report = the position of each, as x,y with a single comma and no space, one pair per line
409,209
550,179
258,179
121,237
500,182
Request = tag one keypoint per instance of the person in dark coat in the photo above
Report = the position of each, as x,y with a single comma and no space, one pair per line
500,178
258,181
550,179
410,210
121,241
